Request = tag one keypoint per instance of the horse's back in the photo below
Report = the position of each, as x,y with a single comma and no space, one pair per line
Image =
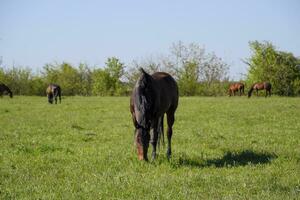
236,86
168,89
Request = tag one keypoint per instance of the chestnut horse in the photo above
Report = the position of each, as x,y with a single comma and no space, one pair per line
152,97
4,89
261,86
52,92
235,87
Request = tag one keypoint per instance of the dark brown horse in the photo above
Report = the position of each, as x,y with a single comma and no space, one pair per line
236,87
261,86
53,91
152,97
5,90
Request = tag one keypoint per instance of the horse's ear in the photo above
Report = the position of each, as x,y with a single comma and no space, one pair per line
142,71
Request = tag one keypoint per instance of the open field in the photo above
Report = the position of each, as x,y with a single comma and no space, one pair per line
223,148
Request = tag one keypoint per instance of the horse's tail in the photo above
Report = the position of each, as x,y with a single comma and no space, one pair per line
161,137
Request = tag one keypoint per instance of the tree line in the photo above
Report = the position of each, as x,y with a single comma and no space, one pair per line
281,69
196,71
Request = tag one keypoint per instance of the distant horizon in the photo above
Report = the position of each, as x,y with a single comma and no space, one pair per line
36,33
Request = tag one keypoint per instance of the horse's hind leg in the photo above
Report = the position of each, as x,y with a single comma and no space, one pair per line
170,120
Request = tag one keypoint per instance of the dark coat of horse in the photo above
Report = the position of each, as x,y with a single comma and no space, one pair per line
152,97
53,91
261,86
236,87
4,89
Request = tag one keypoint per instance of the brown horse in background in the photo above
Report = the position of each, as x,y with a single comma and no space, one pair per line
52,92
4,89
235,87
152,97
261,86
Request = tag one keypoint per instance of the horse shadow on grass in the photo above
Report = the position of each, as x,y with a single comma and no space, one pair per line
230,159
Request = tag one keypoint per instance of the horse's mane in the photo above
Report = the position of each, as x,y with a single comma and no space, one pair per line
144,97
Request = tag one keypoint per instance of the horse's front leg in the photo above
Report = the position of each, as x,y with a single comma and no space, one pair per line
266,93
154,138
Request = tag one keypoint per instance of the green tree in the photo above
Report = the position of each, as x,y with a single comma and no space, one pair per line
107,81
278,67
196,71
188,79
85,80
115,69
101,83
64,75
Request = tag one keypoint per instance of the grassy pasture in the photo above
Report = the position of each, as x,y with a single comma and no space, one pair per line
223,148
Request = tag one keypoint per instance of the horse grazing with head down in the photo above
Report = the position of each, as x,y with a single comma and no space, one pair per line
236,87
53,91
261,86
5,90
152,97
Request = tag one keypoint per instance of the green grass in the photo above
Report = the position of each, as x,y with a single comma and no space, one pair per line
223,148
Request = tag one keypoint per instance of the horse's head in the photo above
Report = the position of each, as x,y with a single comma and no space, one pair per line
251,89
11,95
50,98
143,104
143,116
142,138
250,92
229,91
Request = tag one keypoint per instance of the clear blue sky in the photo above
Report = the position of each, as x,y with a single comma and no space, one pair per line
33,33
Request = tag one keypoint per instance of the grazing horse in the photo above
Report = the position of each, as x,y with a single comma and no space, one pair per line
261,86
235,87
53,91
152,97
4,89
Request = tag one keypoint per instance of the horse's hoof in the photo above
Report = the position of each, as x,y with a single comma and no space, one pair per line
153,156
169,155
